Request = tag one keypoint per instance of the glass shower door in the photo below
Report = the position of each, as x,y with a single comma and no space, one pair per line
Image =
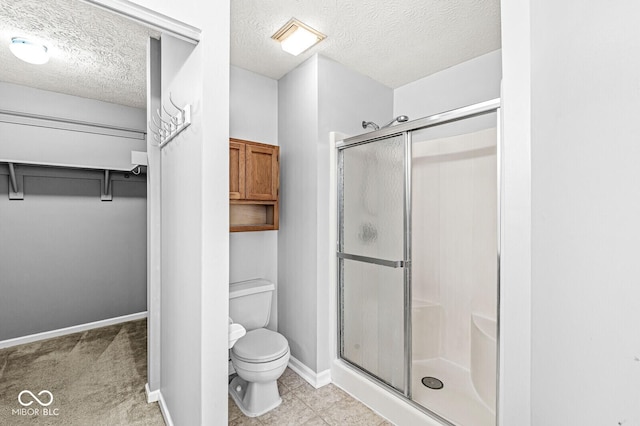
373,258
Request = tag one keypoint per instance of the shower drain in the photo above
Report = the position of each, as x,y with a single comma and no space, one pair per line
432,383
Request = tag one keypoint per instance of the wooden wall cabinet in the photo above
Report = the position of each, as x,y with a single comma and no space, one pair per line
254,183
236,170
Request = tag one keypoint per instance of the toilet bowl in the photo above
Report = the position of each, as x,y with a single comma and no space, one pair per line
261,355
259,358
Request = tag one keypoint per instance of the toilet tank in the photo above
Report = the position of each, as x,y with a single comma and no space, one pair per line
250,303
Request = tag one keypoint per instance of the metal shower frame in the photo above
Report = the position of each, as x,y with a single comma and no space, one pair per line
405,130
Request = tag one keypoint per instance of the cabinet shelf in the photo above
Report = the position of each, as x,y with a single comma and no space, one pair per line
248,215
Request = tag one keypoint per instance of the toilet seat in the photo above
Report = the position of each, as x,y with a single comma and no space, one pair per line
260,346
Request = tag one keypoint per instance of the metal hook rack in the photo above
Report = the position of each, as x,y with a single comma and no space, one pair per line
165,131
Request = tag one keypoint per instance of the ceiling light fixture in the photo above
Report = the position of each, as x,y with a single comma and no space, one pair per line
29,51
295,37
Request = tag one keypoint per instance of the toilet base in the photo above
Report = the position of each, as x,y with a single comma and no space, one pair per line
254,399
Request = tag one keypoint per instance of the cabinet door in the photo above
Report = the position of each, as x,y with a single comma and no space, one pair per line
236,170
262,172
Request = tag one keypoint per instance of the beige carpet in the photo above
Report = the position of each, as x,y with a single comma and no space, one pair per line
95,377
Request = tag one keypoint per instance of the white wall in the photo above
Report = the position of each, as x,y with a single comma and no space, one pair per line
297,240
182,262
253,115
204,381
253,107
317,97
467,83
215,193
585,301
514,405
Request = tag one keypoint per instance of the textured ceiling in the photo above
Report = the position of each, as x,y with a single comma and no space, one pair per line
94,53
99,55
393,41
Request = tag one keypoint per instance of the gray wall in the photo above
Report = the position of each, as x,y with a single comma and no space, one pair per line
66,257
317,97
585,182
253,115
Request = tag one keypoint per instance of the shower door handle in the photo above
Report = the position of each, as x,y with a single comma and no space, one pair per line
374,260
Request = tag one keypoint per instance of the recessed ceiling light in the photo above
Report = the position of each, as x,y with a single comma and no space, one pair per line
29,51
295,37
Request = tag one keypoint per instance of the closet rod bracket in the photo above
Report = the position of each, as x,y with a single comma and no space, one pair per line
16,184
107,192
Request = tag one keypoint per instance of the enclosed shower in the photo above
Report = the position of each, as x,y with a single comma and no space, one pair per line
418,260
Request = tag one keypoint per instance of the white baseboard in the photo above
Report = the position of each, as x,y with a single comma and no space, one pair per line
164,409
317,380
323,378
152,396
70,330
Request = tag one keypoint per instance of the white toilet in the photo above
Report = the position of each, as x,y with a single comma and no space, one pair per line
262,355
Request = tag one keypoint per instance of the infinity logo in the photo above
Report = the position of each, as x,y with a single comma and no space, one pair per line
26,404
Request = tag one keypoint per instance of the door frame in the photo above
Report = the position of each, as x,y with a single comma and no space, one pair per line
167,25
150,18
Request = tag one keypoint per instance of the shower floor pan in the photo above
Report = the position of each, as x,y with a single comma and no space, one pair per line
457,401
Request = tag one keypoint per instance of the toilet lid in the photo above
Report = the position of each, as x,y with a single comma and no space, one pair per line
261,345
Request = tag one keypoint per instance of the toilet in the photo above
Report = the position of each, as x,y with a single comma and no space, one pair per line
260,356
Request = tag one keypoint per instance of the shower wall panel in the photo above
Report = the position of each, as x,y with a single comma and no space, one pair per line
454,232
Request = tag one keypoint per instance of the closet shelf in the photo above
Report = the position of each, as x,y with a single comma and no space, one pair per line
16,175
70,166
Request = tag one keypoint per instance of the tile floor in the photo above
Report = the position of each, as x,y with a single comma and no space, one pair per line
302,404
